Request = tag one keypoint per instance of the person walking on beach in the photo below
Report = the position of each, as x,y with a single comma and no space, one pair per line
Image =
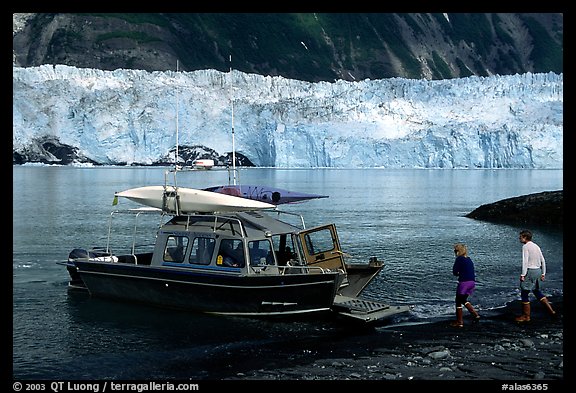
464,269
533,272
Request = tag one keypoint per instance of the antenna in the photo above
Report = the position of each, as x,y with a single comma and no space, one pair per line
165,194
177,110
233,140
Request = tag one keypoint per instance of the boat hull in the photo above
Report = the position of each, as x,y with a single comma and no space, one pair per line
228,293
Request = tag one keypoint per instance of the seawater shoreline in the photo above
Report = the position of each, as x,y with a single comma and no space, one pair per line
402,217
495,349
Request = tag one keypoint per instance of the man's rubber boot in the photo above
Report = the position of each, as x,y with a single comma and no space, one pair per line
525,317
548,306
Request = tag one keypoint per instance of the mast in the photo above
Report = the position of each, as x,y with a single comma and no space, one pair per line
177,111
233,140
165,194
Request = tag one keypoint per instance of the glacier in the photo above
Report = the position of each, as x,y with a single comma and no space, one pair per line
138,117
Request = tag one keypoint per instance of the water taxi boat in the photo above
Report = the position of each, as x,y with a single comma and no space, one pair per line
203,164
257,261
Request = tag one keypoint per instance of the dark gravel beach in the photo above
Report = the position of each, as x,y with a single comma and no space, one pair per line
496,348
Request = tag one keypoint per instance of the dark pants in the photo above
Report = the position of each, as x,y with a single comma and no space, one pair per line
524,295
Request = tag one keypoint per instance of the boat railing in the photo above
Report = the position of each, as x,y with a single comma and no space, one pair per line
228,220
298,215
296,269
218,221
137,212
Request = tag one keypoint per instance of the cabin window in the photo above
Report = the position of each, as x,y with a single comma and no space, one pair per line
260,253
284,248
175,248
319,241
202,250
231,253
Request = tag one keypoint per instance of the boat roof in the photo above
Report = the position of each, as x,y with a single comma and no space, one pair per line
256,224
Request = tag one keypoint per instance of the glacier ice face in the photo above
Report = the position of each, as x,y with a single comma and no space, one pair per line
132,116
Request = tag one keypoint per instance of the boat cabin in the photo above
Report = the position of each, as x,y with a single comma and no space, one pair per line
242,243
246,243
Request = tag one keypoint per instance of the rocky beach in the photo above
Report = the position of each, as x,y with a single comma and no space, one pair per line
496,349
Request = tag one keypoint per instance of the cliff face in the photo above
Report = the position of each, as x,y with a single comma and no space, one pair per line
312,47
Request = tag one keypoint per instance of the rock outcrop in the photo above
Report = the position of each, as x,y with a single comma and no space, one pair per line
543,208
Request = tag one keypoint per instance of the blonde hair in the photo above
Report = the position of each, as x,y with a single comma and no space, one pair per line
460,249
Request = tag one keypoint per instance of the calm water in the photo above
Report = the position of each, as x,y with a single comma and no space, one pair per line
409,219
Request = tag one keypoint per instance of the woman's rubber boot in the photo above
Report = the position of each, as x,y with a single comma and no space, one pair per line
475,315
548,306
459,322
525,317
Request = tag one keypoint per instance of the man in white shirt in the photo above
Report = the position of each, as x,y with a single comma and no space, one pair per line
533,272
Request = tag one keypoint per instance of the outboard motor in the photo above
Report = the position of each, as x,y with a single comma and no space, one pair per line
77,253
76,281
80,254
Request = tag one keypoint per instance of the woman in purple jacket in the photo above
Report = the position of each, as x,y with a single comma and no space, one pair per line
464,269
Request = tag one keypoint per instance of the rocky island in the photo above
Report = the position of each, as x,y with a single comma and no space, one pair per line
543,208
